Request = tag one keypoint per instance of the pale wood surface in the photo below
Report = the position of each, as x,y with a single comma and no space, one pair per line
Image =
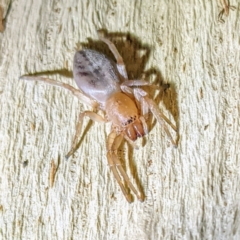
192,192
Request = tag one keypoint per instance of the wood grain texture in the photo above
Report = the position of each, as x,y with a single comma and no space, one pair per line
192,192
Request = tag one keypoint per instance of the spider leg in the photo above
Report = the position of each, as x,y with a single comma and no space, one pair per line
120,64
131,142
140,83
145,127
152,106
81,96
116,166
93,116
112,165
126,88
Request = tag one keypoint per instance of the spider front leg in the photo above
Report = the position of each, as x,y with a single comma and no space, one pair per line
126,88
93,116
152,106
113,144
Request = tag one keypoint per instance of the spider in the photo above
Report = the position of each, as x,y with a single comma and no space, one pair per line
104,86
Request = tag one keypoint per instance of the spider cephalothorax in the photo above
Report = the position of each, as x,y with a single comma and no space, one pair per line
122,111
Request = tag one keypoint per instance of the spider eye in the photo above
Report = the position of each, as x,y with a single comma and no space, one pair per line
130,120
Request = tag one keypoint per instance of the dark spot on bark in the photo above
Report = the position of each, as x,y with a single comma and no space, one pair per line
25,163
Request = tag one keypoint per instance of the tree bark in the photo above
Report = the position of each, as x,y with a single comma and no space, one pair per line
192,192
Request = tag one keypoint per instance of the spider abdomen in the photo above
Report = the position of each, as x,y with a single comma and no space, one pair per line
95,75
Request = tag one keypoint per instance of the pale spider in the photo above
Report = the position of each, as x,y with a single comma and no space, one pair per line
104,86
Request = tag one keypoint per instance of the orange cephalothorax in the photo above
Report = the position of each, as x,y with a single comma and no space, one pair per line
122,111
